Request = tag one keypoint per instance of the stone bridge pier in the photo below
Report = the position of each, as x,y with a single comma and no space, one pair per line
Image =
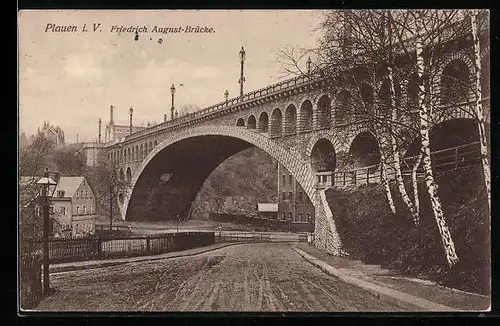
182,161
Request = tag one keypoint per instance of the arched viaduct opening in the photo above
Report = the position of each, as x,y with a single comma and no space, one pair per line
453,143
364,151
323,156
188,162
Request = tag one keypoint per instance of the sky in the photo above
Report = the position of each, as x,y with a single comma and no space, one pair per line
71,78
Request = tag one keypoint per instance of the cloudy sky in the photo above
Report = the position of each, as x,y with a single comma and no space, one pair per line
71,79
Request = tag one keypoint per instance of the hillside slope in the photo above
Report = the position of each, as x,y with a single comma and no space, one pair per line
237,185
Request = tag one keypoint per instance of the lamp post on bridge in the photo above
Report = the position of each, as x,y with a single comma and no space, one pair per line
172,91
308,65
131,112
242,78
47,186
226,95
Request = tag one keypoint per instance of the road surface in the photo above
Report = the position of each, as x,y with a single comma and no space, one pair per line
244,277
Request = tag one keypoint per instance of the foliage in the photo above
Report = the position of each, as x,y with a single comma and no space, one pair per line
237,185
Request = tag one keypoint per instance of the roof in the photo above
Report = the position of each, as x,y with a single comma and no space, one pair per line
69,185
267,207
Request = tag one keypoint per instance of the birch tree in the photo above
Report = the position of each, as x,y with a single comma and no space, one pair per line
446,238
473,14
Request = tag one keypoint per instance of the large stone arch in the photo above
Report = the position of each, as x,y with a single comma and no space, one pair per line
295,165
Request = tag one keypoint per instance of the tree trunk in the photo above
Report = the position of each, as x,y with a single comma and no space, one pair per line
479,107
395,151
385,182
446,239
415,182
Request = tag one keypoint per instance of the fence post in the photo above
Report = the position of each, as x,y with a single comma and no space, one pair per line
367,176
148,244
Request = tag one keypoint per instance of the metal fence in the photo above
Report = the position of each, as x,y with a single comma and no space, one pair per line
443,160
259,237
68,250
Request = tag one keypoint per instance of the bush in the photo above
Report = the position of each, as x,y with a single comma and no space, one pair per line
370,232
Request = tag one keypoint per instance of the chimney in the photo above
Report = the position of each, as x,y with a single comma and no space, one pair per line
110,115
100,130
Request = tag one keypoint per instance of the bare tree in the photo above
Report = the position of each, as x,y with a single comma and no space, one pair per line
476,36
110,186
395,47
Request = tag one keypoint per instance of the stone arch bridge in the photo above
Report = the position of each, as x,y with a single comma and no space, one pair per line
304,123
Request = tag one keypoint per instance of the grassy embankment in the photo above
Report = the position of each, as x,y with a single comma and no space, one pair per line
370,231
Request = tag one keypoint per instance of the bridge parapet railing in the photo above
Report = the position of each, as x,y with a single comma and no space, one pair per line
442,160
280,86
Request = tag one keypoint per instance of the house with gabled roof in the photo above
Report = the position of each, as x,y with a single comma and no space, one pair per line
72,210
73,207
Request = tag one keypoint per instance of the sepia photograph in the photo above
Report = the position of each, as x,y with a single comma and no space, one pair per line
287,161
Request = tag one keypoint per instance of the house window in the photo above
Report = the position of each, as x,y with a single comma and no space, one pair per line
289,195
284,195
84,210
290,179
77,228
324,179
90,209
77,210
283,216
300,217
284,180
308,217
62,209
301,198
290,215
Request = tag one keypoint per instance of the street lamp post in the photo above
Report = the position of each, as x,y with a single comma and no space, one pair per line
47,187
172,91
308,65
242,78
226,95
178,221
131,112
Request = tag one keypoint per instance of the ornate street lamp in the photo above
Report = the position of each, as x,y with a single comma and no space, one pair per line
226,95
178,221
47,186
242,79
308,65
172,91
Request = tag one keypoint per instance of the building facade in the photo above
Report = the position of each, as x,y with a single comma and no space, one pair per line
114,132
73,208
54,134
293,203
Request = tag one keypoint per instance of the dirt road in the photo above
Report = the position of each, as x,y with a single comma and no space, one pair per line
246,277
